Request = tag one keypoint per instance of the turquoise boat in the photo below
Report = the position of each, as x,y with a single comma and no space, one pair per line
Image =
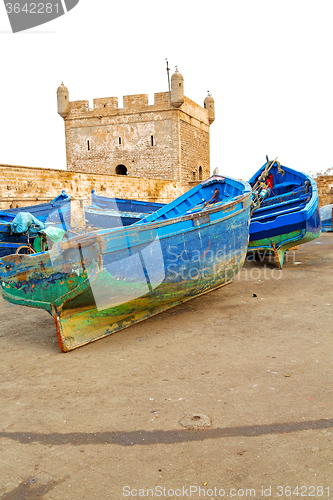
284,210
101,282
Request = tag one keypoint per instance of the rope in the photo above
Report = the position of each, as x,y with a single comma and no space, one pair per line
264,174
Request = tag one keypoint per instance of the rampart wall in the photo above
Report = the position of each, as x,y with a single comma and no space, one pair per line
22,186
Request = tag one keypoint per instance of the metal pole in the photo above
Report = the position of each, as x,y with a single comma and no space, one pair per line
168,70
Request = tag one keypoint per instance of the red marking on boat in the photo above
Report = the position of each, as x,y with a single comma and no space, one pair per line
206,251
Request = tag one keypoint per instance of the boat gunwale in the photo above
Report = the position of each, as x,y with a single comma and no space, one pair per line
97,235
310,206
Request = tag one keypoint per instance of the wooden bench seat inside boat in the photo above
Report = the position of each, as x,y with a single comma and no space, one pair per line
279,211
285,187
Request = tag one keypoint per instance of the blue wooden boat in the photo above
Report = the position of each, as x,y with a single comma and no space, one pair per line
284,210
101,282
116,212
326,215
43,211
57,212
124,205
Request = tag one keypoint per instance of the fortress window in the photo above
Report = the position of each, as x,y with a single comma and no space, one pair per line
152,140
119,140
121,170
200,173
88,144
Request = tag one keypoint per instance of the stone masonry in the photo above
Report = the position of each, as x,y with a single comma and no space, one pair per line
325,189
166,140
22,186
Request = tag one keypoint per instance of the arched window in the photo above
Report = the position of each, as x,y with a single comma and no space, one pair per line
200,173
121,170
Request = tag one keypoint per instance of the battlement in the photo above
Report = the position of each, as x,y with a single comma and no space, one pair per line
106,102
164,139
162,99
135,102
79,106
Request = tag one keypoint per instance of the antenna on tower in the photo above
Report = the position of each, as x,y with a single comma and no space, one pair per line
168,70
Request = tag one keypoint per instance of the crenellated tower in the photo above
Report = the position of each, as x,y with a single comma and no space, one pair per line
165,140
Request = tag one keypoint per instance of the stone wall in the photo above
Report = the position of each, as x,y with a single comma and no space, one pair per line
158,141
22,186
325,189
194,152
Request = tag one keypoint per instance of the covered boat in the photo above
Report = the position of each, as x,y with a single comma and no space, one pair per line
326,215
284,210
116,212
98,283
55,213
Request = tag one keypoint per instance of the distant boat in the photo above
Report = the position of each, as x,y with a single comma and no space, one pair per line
285,210
124,205
108,212
101,282
326,215
43,211
57,212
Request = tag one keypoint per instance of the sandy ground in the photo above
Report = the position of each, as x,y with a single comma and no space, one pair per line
103,421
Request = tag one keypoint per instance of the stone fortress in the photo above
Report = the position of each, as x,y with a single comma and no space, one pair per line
150,152
166,140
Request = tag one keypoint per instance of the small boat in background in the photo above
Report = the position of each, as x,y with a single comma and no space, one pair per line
103,281
124,205
326,215
285,210
104,218
116,212
43,211
57,213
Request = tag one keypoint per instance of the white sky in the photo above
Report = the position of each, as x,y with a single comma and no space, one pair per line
268,65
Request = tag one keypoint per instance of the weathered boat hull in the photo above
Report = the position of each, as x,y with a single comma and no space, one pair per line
299,232
96,286
287,220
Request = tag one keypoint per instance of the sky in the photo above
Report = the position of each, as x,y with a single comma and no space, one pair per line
268,65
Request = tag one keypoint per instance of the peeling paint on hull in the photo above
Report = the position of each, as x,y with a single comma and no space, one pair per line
96,285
